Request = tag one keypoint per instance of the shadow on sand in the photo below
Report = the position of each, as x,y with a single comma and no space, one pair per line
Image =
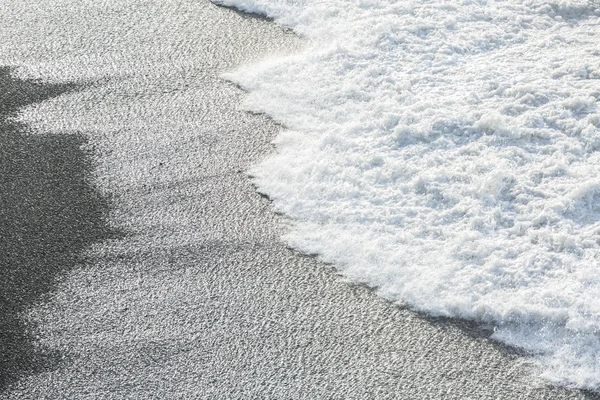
49,213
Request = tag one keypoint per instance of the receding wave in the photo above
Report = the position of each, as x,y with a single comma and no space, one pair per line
447,154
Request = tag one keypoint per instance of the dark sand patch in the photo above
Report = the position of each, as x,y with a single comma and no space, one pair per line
49,213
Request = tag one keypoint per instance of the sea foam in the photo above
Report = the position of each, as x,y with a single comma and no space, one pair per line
447,153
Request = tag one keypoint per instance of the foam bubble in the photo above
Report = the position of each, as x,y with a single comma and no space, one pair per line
447,153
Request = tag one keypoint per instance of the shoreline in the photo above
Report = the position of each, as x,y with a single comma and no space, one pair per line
199,298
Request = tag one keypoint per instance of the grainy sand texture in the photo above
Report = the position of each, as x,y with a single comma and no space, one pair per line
138,261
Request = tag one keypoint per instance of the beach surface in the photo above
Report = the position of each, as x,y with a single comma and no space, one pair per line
138,260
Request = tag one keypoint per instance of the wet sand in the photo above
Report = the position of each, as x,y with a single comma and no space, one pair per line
138,260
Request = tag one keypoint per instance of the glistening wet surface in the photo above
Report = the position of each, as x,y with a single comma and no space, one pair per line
200,298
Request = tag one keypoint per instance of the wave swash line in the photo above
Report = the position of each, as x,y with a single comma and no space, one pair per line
447,154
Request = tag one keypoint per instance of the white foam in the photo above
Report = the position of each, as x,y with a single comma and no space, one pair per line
448,154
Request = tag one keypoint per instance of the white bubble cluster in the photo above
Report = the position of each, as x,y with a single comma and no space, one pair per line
448,154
